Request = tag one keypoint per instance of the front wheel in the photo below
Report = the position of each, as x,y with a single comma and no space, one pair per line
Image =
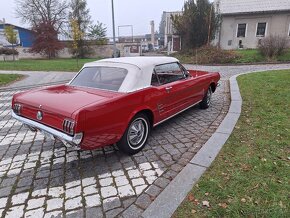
136,135
206,101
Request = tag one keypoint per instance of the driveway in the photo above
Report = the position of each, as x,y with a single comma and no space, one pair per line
40,177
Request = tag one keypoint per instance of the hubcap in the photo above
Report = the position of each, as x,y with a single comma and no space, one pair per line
208,97
137,133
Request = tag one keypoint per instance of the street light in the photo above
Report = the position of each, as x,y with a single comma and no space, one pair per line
114,34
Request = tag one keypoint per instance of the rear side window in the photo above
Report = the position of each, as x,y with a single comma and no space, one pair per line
167,73
107,78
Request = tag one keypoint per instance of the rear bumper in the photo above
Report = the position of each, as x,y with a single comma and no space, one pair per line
67,140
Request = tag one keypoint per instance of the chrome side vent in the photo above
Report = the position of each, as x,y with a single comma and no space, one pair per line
68,126
17,108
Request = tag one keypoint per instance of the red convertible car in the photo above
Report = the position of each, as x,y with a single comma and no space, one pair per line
114,101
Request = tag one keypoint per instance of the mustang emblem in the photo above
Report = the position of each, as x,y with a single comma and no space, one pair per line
39,115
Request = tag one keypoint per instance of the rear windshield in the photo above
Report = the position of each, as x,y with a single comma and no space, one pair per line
107,78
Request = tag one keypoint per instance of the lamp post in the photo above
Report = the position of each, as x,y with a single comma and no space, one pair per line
114,34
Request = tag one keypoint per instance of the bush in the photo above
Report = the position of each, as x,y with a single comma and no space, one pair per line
8,51
273,46
208,55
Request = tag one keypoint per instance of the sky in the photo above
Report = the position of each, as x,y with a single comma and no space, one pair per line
137,13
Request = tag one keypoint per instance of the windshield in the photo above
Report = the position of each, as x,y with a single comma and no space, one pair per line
108,78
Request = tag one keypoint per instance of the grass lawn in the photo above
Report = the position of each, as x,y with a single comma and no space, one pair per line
8,78
253,56
45,65
250,177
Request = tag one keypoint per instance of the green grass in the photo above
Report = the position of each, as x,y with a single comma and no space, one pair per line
254,56
250,177
45,65
8,78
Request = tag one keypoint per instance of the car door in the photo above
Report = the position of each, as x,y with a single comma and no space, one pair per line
172,83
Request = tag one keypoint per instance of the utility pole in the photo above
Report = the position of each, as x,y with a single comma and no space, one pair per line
114,34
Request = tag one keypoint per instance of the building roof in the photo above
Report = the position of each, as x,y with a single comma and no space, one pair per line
252,6
139,70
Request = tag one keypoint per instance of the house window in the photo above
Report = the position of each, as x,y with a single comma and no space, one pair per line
289,30
241,30
261,29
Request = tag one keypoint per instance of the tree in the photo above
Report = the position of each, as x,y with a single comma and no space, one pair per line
81,15
98,33
197,25
46,41
35,12
77,34
11,37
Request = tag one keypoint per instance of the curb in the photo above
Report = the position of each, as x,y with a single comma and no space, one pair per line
172,196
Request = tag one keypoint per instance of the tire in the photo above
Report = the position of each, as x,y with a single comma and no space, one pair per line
206,101
136,135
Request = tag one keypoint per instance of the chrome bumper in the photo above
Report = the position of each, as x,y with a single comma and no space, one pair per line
34,126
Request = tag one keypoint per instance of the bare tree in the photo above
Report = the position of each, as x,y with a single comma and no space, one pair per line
34,12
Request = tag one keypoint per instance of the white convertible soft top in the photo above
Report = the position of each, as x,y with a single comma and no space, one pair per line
139,70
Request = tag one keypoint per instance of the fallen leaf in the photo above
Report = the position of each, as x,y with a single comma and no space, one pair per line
191,197
193,211
206,194
264,159
243,200
223,205
205,203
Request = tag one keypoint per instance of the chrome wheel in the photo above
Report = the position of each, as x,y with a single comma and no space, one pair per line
137,133
208,97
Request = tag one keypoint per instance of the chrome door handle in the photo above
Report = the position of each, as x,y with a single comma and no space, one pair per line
168,88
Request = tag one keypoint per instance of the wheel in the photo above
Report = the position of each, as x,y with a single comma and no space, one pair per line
136,135
206,101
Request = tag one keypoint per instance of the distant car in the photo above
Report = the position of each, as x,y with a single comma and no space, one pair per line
114,101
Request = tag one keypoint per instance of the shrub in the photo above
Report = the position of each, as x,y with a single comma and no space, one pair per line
273,46
8,51
208,55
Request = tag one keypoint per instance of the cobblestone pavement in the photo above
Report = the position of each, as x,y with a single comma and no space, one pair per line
42,178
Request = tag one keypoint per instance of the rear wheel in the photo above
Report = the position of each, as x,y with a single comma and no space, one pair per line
136,135
206,101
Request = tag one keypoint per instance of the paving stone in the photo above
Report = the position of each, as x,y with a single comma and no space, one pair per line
138,182
162,182
140,189
121,180
134,173
75,214
108,191
88,181
54,214
35,213
56,192
111,203
106,182
93,200
89,190
3,202
153,190
143,201
73,192
19,198
126,190
94,212
16,211
132,212
113,213
4,192
35,203
73,203
55,203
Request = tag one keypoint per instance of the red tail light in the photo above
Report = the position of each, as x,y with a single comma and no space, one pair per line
68,126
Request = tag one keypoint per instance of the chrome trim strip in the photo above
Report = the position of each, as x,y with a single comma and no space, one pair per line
40,126
176,114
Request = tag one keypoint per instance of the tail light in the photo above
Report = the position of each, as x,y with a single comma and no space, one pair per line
17,108
68,126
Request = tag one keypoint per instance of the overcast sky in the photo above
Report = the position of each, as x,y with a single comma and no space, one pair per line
138,13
